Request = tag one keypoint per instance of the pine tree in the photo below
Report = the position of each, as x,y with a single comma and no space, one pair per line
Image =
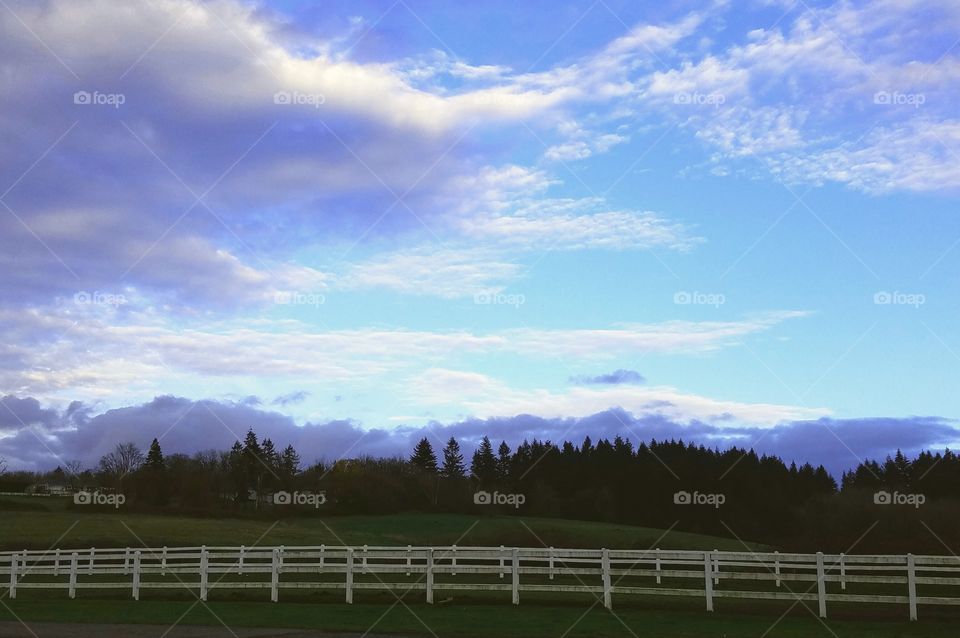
423,457
251,447
289,462
155,457
452,461
503,461
237,470
270,456
153,486
484,465
254,464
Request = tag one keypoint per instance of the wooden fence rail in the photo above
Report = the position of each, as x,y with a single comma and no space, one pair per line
604,573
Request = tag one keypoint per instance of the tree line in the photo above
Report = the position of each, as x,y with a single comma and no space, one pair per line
733,492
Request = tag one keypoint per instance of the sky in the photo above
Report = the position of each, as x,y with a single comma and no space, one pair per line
348,225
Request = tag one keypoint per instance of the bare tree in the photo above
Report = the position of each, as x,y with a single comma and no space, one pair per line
73,470
3,465
125,459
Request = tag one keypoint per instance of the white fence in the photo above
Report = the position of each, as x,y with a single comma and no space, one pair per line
808,578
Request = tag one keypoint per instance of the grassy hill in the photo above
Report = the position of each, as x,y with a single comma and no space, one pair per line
44,523
577,618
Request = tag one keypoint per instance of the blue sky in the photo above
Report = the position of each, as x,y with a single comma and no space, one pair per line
416,217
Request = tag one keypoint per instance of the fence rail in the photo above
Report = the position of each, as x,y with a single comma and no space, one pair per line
820,578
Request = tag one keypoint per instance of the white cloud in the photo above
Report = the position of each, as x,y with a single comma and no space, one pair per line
486,397
921,156
800,97
445,272
669,336
95,351
566,224
578,149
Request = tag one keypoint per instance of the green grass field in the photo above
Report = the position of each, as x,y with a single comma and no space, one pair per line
576,618
44,523
49,524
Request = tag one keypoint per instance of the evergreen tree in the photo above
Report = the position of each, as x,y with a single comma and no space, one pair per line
289,462
503,461
484,465
237,472
155,456
271,458
255,466
251,446
423,457
452,461
152,485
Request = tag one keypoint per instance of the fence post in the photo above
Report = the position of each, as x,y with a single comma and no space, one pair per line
13,576
349,567
56,565
708,580
322,551
516,576
502,553
280,560
912,585
136,575
364,570
163,561
409,549
240,562
203,573
658,566
453,561
776,566
843,572
90,566
274,575
72,590
551,563
821,586
126,561
716,566
430,575
607,597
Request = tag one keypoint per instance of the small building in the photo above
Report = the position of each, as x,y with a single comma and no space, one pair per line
49,489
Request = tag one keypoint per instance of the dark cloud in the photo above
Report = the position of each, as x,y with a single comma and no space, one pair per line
290,399
17,414
611,378
195,186
187,426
